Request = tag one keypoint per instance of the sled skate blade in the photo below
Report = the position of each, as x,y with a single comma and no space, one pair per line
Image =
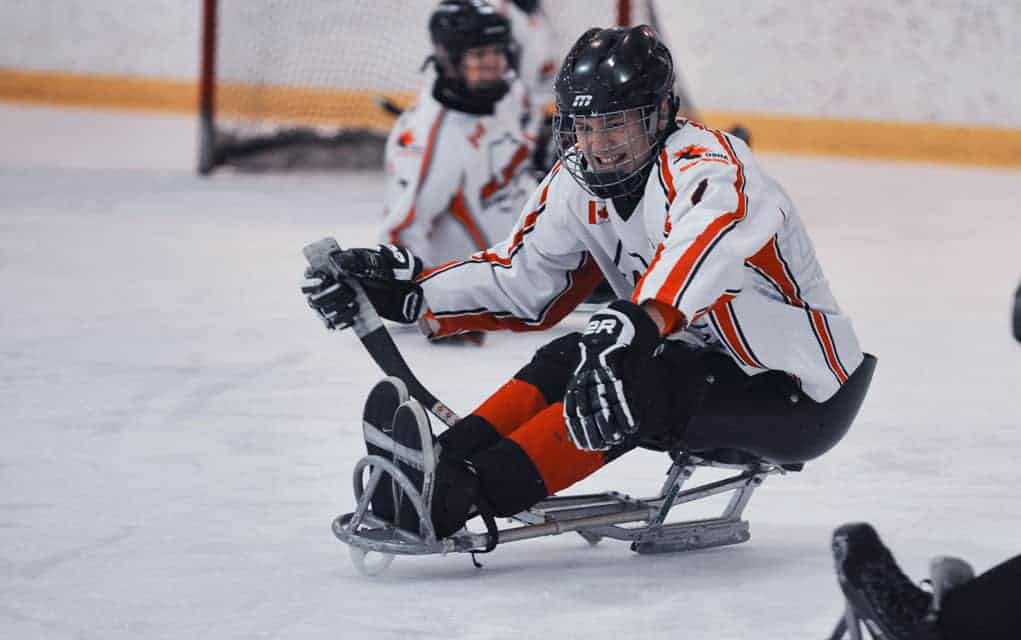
688,536
370,563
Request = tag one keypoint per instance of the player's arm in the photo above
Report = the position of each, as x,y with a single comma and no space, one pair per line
423,187
528,282
709,230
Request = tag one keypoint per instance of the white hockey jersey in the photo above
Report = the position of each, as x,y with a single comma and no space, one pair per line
713,236
455,181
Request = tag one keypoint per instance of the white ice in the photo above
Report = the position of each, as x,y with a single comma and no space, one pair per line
178,430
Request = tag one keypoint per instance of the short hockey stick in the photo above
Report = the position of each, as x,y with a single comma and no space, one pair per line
373,333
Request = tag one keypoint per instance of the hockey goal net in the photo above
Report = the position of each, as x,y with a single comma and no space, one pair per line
289,84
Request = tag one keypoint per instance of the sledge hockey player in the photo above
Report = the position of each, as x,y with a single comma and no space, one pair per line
456,162
960,606
725,336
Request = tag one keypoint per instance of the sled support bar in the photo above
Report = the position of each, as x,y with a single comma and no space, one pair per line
594,516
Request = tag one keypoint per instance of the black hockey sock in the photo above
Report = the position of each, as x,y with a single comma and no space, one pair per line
455,492
470,435
509,480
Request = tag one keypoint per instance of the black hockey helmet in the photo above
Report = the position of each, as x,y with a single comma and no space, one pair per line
615,102
459,25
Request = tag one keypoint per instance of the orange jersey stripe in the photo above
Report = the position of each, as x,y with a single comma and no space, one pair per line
423,172
700,160
526,225
687,265
667,226
722,300
726,322
770,264
583,282
459,210
668,179
822,330
520,155
440,268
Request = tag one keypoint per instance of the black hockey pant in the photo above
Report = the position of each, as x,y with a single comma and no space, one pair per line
517,439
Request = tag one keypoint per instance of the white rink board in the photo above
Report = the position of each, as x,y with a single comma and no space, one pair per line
951,62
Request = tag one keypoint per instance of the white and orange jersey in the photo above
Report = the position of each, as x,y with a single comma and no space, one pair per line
455,181
713,237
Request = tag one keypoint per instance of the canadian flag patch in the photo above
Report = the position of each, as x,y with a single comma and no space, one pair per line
597,213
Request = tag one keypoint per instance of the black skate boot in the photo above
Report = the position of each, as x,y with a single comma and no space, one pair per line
450,488
377,427
877,592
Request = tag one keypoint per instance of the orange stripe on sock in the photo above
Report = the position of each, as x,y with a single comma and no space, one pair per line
511,406
561,464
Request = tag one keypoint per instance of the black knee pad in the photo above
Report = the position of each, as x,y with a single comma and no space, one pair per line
552,366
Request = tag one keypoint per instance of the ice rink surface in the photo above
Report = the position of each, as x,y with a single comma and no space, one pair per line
178,430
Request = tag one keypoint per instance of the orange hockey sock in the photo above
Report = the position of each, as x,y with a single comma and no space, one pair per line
544,439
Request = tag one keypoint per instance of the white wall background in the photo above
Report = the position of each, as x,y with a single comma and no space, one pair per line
951,61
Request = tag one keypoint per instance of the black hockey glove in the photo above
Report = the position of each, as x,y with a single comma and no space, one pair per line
334,301
607,397
387,273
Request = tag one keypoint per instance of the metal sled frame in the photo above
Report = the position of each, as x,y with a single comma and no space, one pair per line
593,516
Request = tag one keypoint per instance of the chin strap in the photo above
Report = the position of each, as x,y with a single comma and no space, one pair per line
453,93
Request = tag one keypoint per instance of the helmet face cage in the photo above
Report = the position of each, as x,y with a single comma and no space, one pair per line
608,153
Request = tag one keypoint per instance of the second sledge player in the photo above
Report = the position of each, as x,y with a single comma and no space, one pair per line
456,162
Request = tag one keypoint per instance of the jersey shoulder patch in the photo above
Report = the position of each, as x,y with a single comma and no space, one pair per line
695,144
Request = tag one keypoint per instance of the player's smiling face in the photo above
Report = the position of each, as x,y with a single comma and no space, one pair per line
615,142
483,66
